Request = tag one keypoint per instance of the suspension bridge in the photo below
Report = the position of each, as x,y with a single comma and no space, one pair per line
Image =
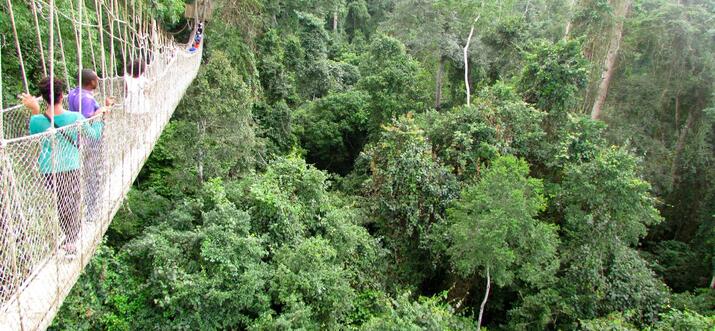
35,273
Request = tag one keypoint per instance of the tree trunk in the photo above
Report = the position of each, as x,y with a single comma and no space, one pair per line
679,146
484,302
526,10
335,21
569,23
466,62
438,84
609,66
677,115
712,282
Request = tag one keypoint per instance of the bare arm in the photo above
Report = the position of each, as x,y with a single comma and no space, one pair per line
30,102
108,103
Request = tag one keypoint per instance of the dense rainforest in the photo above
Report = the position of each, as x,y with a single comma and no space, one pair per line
421,165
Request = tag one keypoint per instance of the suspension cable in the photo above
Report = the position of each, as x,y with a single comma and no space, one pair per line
80,64
98,12
62,50
39,37
51,54
17,46
91,44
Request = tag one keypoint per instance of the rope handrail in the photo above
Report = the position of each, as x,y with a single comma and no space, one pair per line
18,107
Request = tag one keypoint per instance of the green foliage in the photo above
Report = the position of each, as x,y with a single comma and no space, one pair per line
275,127
310,272
409,192
218,124
290,202
700,301
169,11
683,320
388,76
105,298
498,122
130,222
493,227
228,228
675,320
607,209
313,73
333,130
462,138
612,322
678,264
197,276
536,310
433,29
605,202
599,282
436,32
286,200
425,314
660,103
504,40
580,139
277,82
211,266
357,18
553,75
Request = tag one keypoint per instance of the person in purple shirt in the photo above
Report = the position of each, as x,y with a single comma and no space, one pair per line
84,95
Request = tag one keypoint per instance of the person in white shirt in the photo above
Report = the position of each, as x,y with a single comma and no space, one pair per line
136,82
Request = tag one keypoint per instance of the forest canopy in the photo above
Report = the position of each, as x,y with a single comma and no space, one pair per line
420,165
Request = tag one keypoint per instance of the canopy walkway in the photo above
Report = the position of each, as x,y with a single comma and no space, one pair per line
35,274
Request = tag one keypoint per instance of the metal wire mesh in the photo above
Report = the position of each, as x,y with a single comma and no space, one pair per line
52,217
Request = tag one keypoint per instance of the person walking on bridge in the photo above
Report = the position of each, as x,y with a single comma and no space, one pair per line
59,161
81,100
135,88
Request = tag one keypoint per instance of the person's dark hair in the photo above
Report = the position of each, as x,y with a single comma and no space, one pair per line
88,76
45,87
137,68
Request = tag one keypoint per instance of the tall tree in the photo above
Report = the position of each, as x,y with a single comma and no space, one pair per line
434,31
552,77
609,65
219,125
607,210
409,192
664,93
494,230
389,75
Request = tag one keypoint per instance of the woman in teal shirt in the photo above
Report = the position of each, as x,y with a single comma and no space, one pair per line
60,165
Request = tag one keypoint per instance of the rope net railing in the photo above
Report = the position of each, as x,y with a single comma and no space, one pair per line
59,189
